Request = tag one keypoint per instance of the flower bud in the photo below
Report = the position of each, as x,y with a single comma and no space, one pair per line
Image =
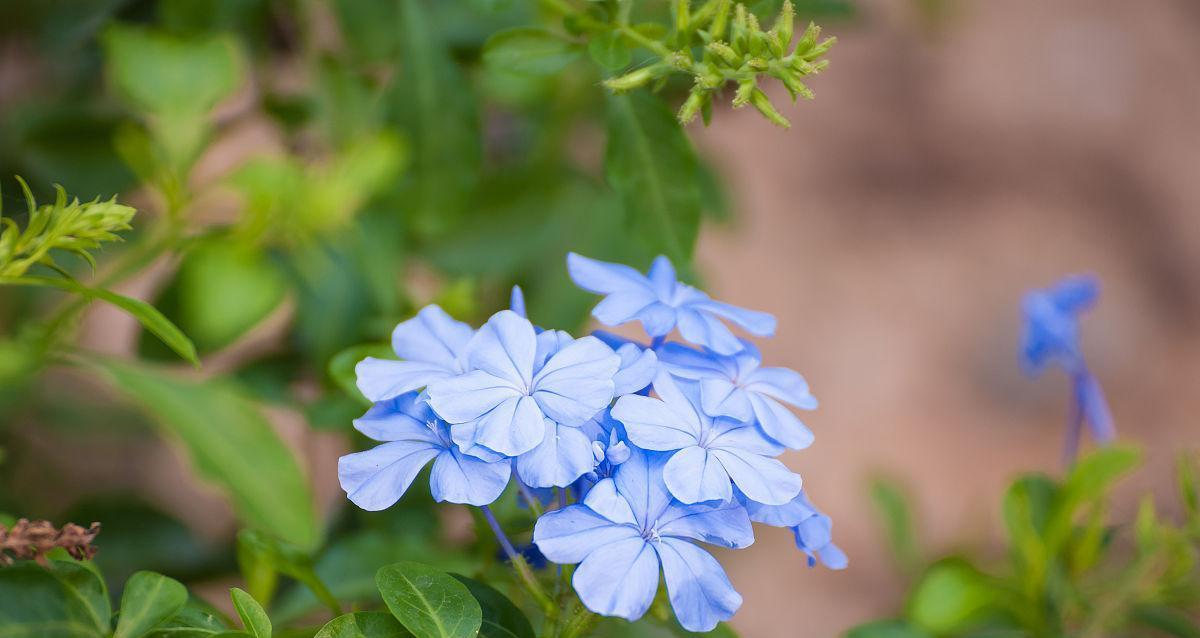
763,104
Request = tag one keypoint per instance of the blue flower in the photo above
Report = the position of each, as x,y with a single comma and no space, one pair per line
811,528
736,386
413,436
710,455
662,303
1051,336
522,390
628,528
432,345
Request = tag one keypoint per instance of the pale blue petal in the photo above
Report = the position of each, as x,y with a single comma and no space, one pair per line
624,306
762,479
662,277
779,423
505,347
568,535
691,363
658,319
814,533
602,277
577,382
833,557
458,478
706,330
470,396
383,379
694,476
434,337
720,397
782,384
726,524
652,425
549,342
377,478
398,419
700,592
637,371
564,455
618,579
730,434
512,428
604,499
752,321
516,301
640,481
789,514
1075,293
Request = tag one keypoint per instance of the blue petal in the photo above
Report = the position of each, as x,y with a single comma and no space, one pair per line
506,347
433,336
399,419
618,579
577,382
458,478
691,363
640,481
1075,293
706,330
700,592
779,423
549,342
376,479
625,306
470,396
833,557
568,535
782,384
658,319
637,371
730,434
652,425
790,514
383,379
512,428
721,397
1094,408
752,321
726,524
694,476
763,479
516,301
662,277
564,455
602,277
605,500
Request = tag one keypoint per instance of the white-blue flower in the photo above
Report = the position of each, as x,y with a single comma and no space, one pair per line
432,345
710,455
737,386
515,381
811,528
628,528
413,436
662,303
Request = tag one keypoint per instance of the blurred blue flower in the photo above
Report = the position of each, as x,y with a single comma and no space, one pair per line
413,436
522,389
516,301
736,386
432,345
628,528
811,528
661,303
709,455
1051,337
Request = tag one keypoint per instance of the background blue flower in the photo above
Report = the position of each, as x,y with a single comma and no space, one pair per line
661,303
432,345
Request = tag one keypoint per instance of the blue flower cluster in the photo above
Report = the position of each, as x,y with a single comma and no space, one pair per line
1051,336
665,444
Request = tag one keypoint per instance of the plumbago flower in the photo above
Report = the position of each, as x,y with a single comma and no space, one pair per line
1051,337
651,447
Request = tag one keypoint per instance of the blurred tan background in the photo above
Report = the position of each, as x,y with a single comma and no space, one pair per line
951,161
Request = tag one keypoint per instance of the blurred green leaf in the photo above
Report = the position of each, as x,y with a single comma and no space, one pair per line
288,560
364,624
341,366
149,599
950,597
610,51
197,619
428,602
892,505
501,618
66,600
528,51
1171,622
1189,485
1095,473
650,162
225,289
254,617
231,444
887,629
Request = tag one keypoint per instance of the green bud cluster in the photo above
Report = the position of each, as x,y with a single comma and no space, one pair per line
72,226
720,43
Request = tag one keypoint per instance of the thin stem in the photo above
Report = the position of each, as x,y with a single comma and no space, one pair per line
657,342
530,581
580,622
535,506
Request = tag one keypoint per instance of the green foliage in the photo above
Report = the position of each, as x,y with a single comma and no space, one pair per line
65,600
364,624
254,617
429,603
149,599
64,225
501,618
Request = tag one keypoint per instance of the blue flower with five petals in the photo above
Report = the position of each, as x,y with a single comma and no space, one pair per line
432,345
662,303
627,528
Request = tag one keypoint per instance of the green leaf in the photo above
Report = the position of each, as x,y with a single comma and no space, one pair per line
428,602
341,366
501,618
288,560
231,444
1189,485
1171,622
254,618
148,599
610,51
147,315
887,629
950,597
163,74
224,290
364,624
1095,473
528,51
196,620
650,163
66,600
892,505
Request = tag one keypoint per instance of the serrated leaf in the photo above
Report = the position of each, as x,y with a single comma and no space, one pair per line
148,600
428,602
254,617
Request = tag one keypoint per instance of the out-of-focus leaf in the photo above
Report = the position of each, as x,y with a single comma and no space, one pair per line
224,290
364,624
610,51
1189,486
254,617
288,560
887,629
231,444
529,51
341,366
501,618
69,144
1094,473
892,505
650,162
1171,622
149,599
950,597
429,603
68,600
197,619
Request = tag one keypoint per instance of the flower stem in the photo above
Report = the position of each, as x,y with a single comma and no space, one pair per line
528,579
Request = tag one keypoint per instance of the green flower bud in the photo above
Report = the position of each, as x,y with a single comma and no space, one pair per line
632,80
693,104
784,24
763,104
